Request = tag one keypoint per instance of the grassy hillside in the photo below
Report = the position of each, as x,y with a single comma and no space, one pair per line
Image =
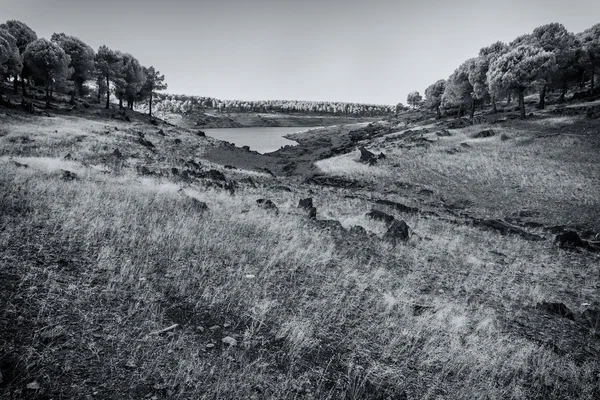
149,270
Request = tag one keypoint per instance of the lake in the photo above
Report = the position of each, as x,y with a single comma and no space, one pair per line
261,139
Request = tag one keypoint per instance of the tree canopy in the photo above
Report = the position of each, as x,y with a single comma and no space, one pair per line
82,58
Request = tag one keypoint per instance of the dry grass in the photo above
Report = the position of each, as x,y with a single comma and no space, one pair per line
110,260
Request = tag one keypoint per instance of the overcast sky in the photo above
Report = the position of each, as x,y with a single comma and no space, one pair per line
373,51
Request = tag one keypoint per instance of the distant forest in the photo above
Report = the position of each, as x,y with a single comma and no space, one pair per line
547,60
186,104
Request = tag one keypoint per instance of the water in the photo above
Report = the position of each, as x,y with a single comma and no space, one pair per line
263,140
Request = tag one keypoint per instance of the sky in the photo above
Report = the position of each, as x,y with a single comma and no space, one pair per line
367,51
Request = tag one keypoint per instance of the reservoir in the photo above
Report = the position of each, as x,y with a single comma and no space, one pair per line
260,139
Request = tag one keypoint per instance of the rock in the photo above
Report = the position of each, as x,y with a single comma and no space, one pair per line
228,340
425,192
335,181
443,133
505,228
267,171
358,230
591,318
465,145
504,137
398,206
246,148
214,328
418,309
289,167
175,171
312,213
177,141
154,122
556,309
381,156
484,134
249,181
117,153
366,156
216,175
380,216
193,164
68,175
398,231
229,167
201,134
570,240
146,143
210,346
33,385
19,165
68,157
267,204
330,225
307,203
143,170
161,132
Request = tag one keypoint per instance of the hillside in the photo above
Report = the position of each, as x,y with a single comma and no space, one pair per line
143,260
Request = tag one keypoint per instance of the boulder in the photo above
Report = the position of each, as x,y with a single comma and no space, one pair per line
443,133
380,216
570,240
68,175
312,213
19,165
267,204
307,203
177,141
201,134
484,134
215,175
398,231
161,132
366,156
556,309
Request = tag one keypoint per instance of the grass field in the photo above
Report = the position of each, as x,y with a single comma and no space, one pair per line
92,269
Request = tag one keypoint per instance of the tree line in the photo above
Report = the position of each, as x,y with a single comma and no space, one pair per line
186,104
66,63
549,59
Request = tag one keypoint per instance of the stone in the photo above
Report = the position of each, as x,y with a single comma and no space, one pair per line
177,141
20,165
366,156
68,157
68,175
198,205
161,132
443,133
398,231
216,175
228,340
267,204
307,203
570,240
312,213
175,171
229,167
556,309
117,153
210,346
52,334
380,216
484,134
201,134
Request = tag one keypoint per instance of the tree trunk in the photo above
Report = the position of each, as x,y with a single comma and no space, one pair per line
592,78
542,103
494,108
47,96
107,93
150,104
24,91
459,111
439,113
563,92
16,84
472,108
508,99
522,102
120,102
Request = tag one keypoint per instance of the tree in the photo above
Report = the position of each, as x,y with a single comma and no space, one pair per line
131,81
433,96
459,91
590,43
519,69
109,64
556,39
48,62
414,99
10,58
478,76
82,59
154,82
24,35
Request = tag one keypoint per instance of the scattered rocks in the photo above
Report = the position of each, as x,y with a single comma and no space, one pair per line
68,175
398,231
558,309
484,134
228,340
267,204
381,216
307,203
